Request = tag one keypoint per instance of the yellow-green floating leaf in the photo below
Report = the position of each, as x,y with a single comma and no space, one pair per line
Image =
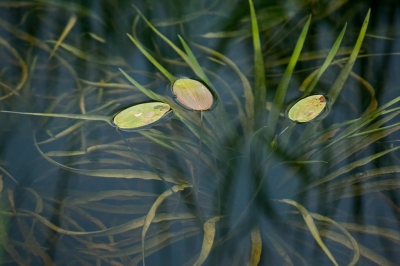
141,115
192,94
307,109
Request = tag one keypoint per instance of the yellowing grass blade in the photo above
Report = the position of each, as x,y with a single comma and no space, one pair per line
150,215
353,242
256,247
311,226
70,25
208,240
8,174
109,173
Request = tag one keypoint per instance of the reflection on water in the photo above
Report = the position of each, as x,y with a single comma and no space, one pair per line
239,184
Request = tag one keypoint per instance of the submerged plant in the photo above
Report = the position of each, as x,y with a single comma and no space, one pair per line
265,187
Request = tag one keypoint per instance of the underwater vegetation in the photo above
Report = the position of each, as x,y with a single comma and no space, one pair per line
255,139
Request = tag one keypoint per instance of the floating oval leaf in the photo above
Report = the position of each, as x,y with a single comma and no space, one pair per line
192,94
307,109
141,115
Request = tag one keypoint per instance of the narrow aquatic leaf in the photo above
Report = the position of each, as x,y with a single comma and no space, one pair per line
208,240
260,90
192,94
152,212
147,92
340,80
72,116
108,194
154,243
109,173
281,251
22,64
373,104
133,224
348,168
365,252
157,242
247,122
168,75
68,27
284,83
171,44
327,62
311,226
141,115
307,109
96,37
364,120
85,55
196,66
354,244
8,174
256,247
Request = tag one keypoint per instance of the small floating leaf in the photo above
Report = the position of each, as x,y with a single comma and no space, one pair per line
192,94
307,108
141,115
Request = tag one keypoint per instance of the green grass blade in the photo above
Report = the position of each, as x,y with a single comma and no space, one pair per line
71,116
327,62
260,90
195,64
283,85
165,72
340,80
363,121
171,44
147,92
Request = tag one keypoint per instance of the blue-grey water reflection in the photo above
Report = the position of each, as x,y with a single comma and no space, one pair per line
226,186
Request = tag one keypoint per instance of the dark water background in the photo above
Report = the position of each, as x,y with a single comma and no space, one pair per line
69,82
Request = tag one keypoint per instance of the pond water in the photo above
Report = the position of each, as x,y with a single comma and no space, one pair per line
233,182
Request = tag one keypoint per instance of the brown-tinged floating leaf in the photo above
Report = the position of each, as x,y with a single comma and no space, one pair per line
192,94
